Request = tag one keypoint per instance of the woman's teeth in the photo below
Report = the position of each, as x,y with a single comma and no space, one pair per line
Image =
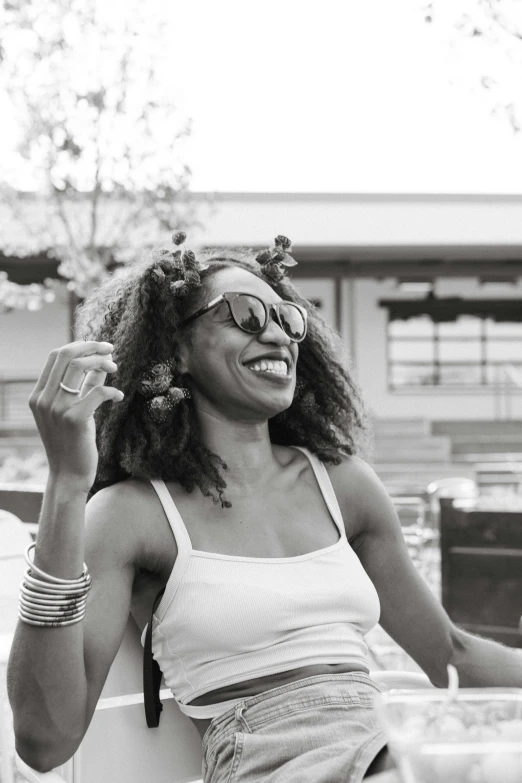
277,367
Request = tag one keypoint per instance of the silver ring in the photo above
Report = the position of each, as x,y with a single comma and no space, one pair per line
71,391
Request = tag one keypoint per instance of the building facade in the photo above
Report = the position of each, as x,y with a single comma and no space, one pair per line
425,291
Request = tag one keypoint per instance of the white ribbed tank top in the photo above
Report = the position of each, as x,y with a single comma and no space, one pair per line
224,619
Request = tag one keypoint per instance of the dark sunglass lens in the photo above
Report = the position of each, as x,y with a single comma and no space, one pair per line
249,313
292,321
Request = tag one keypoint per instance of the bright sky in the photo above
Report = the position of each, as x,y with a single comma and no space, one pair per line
338,95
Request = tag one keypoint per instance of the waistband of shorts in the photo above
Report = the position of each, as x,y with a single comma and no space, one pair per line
220,723
213,710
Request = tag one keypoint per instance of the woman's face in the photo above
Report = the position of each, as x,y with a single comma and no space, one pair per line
221,357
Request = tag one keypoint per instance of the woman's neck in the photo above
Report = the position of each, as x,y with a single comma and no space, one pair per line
244,447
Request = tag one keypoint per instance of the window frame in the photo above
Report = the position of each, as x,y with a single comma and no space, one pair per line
484,364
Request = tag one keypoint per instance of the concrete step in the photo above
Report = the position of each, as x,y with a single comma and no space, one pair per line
402,428
501,457
478,428
423,449
414,478
464,444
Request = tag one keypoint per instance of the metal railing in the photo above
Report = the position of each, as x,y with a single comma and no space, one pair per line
508,379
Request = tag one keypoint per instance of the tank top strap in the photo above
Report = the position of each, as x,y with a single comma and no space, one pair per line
325,485
175,521
183,543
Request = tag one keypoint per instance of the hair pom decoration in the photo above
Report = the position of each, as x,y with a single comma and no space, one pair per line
264,257
155,385
175,394
192,263
159,409
189,259
162,405
187,268
156,380
275,259
282,241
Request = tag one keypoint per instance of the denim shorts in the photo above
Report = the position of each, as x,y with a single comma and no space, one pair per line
320,729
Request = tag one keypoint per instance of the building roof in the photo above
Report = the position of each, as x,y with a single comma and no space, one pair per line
372,231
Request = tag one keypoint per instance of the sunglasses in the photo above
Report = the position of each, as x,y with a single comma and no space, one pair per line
251,314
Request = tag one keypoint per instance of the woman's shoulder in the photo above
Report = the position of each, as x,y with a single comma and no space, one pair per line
356,486
351,467
350,474
130,508
124,494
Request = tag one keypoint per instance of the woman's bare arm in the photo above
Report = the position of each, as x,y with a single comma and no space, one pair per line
52,677
410,613
55,675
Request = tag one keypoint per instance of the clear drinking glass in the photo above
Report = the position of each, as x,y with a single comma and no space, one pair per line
473,738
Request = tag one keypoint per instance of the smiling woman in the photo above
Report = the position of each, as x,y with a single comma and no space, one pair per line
149,322
220,499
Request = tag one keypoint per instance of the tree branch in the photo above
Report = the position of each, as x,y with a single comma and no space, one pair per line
63,216
501,21
97,184
64,135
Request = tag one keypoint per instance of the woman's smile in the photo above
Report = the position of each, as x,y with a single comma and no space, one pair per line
275,366
273,371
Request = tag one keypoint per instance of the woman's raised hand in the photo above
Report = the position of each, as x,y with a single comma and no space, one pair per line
65,420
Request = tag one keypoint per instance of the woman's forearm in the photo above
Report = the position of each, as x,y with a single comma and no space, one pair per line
47,683
482,663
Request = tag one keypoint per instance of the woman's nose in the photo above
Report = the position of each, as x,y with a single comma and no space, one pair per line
273,333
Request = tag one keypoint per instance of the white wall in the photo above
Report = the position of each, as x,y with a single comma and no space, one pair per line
315,219
370,357
322,290
372,220
27,337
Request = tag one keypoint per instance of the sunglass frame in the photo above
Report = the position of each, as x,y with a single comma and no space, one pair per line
267,309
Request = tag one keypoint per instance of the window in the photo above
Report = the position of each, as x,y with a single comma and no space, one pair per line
468,352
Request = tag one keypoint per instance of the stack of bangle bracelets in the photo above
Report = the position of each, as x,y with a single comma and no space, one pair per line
52,601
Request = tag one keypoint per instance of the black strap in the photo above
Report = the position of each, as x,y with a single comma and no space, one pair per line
151,675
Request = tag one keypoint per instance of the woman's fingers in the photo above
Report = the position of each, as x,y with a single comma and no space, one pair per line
64,419
77,369
56,361
54,370
88,404
44,375
92,379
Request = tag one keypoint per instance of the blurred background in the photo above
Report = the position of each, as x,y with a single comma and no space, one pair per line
382,138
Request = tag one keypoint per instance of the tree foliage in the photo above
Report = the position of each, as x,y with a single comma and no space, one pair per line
101,141
489,40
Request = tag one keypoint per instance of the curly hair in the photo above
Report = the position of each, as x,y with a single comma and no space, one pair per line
140,314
